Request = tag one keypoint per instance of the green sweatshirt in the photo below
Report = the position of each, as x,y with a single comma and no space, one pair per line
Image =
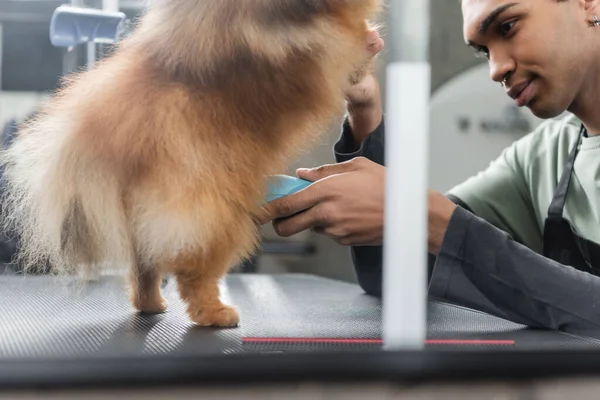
515,191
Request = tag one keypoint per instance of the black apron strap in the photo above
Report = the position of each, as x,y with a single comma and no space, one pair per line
555,211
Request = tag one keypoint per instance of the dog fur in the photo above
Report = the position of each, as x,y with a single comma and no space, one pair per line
157,159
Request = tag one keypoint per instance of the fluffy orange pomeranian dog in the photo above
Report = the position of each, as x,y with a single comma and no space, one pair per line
158,159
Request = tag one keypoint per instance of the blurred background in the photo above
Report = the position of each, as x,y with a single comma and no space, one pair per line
472,119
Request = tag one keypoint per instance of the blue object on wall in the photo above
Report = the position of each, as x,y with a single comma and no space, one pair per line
71,26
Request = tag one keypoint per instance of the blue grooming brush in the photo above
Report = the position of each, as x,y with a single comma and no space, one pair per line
284,185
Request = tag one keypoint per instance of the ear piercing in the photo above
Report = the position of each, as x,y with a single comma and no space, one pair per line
596,21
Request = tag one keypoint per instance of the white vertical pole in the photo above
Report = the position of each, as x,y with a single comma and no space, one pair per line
1,51
91,55
406,158
107,5
113,6
90,46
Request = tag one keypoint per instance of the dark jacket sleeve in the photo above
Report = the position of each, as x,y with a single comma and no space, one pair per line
482,267
367,260
372,147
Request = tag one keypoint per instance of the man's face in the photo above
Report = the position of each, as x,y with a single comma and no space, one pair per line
542,47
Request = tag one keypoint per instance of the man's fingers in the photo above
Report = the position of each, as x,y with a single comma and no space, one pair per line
374,42
372,37
289,205
376,47
314,174
309,219
344,240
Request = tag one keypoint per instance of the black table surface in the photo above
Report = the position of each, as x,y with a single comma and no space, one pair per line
58,333
52,317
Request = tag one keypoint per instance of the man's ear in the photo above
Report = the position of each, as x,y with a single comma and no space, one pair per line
590,6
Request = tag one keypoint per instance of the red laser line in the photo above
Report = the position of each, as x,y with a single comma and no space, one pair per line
374,341
459,341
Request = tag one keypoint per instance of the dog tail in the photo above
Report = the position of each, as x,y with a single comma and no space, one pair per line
66,214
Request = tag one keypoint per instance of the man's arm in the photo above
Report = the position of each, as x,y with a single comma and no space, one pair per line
483,263
496,193
482,267
367,260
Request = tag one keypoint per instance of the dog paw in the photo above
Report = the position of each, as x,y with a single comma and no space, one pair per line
224,317
152,306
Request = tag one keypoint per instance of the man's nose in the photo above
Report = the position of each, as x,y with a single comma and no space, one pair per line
501,66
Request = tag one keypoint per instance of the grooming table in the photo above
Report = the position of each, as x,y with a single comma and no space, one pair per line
44,316
58,334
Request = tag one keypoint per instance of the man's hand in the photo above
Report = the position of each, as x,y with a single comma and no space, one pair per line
345,202
366,92
364,99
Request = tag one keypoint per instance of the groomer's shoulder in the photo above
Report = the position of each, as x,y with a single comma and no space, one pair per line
548,144
511,192
522,159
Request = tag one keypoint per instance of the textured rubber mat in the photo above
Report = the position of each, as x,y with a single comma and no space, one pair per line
50,317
